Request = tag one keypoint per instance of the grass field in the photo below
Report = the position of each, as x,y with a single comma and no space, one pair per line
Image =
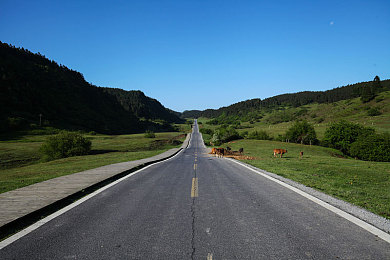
365,184
20,163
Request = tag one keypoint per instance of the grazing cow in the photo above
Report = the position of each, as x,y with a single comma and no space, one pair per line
241,150
279,151
300,154
228,150
220,152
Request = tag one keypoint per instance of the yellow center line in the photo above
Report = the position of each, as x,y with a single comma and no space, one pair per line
209,256
195,165
194,188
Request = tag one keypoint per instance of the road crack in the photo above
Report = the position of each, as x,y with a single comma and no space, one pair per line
193,228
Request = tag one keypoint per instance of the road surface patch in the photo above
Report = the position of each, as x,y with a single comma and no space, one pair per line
370,228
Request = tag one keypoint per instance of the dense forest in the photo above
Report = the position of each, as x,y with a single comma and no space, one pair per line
252,109
37,91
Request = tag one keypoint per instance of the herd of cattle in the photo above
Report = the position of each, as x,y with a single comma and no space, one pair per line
220,152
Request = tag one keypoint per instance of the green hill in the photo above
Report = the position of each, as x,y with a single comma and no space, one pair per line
34,87
256,109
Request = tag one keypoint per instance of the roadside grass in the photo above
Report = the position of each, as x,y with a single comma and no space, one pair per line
20,163
365,184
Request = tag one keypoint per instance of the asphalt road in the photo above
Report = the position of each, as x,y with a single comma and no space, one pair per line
198,207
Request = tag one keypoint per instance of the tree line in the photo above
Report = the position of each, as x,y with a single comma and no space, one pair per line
251,109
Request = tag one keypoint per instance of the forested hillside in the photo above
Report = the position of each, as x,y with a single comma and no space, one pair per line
191,113
37,91
254,109
142,106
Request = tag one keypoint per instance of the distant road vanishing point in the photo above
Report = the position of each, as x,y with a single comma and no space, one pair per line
195,206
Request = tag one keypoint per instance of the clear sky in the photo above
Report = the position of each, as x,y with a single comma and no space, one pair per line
206,53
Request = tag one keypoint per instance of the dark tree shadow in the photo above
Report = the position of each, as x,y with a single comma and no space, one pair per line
95,152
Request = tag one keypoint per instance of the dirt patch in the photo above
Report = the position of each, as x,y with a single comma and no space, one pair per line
240,157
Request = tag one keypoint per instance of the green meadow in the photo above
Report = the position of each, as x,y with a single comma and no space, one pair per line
21,164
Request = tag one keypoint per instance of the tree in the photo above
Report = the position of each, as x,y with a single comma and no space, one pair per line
368,94
342,134
375,147
302,132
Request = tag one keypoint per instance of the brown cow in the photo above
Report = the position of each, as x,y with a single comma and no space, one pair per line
301,154
279,151
220,152
213,150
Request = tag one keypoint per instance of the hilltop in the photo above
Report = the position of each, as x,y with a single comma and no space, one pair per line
35,90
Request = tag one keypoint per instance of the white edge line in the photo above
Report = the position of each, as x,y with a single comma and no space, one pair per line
370,228
43,221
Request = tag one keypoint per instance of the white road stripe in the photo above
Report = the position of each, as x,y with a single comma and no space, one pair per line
370,228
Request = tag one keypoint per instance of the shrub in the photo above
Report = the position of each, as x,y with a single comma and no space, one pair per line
224,134
149,134
280,138
379,99
374,112
342,134
92,133
281,116
259,135
302,132
375,147
228,133
65,144
216,139
368,94
206,131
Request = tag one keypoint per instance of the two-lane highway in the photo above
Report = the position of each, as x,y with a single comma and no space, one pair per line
195,206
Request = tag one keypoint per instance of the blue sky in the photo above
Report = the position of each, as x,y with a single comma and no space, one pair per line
206,53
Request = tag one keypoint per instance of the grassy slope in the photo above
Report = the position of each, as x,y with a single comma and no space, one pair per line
351,110
20,165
